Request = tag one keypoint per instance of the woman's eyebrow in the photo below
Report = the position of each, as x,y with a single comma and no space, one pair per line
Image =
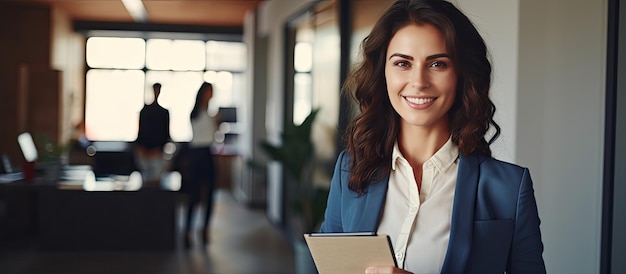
435,56
431,57
401,56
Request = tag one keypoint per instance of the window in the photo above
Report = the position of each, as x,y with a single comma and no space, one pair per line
114,99
165,54
302,80
122,71
113,52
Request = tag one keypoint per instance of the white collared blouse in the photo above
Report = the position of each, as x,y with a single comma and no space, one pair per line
418,222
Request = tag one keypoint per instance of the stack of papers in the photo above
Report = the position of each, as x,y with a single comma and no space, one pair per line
11,177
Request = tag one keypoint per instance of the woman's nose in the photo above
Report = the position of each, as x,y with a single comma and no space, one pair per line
420,79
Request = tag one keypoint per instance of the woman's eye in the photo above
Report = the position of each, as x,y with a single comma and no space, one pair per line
402,64
438,64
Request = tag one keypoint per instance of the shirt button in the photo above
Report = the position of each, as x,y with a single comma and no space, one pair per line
399,255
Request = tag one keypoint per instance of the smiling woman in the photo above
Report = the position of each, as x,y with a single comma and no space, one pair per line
418,165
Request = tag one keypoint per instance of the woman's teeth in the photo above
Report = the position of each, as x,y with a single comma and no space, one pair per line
419,101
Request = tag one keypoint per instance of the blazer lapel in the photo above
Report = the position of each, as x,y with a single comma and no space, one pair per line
462,225
373,204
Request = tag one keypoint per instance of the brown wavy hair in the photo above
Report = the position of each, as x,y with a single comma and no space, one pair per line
373,132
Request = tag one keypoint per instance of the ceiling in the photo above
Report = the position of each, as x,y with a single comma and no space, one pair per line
229,13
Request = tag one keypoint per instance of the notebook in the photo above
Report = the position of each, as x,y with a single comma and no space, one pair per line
349,252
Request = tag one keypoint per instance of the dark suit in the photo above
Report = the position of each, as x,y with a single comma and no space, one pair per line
154,127
495,224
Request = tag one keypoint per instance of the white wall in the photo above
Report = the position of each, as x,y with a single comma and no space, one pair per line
560,124
549,88
549,72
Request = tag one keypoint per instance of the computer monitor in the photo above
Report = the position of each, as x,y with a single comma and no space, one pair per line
227,114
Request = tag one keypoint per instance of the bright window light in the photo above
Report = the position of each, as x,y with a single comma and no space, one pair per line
226,56
303,57
302,94
115,52
165,54
158,54
112,104
189,55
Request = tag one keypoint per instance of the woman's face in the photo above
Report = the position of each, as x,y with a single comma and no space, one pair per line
421,78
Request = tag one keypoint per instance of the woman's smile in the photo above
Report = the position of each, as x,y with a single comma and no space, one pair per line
420,102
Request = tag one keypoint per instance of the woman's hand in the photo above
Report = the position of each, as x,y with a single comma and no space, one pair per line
385,270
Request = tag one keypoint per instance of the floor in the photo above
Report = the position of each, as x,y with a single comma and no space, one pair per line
242,241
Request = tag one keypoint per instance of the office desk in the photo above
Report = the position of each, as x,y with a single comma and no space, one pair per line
75,219
107,220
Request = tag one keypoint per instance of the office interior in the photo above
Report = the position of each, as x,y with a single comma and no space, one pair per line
557,85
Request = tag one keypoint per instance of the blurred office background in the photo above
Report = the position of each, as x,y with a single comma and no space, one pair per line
78,72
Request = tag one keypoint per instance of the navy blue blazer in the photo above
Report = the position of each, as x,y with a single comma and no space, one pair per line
495,223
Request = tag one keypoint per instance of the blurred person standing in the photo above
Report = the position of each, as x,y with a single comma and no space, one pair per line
199,177
154,133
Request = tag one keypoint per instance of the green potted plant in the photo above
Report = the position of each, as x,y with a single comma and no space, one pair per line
295,153
308,202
